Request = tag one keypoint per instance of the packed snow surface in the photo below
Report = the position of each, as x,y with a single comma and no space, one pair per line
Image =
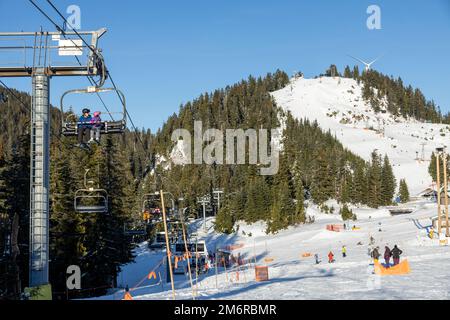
293,276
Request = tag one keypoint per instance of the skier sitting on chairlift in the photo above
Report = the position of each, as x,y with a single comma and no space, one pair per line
84,126
96,123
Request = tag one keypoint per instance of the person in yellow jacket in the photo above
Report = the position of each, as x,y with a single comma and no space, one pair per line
344,251
431,233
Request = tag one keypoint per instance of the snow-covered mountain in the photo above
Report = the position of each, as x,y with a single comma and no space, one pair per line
337,105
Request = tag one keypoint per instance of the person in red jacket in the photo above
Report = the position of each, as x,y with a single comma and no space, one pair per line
330,257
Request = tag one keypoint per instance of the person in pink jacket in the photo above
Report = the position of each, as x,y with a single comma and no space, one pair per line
97,124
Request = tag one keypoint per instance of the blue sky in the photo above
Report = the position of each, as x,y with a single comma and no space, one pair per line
164,53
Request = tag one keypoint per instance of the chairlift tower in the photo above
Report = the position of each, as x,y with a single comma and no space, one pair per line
423,144
204,201
38,51
217,193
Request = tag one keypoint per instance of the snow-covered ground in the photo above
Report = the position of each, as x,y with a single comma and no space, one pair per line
295,277
338,106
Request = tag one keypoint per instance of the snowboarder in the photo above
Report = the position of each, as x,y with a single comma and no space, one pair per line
376,254
330,257
396,252
387,256
316,257
344,251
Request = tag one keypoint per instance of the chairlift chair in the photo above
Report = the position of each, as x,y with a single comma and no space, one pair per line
69,127
90,199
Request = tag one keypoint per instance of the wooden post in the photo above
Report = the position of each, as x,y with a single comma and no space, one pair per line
438,187
225,267
188,258
215,264
254,253
196,266
444,160
169,259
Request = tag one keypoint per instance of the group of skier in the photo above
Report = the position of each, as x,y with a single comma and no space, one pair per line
88,125
395,254
331,255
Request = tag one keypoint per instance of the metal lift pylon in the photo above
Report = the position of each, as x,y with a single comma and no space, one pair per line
39,51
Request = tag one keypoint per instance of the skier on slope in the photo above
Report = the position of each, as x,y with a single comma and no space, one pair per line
396,252
316,257
387,256
330,257
344,251
376,254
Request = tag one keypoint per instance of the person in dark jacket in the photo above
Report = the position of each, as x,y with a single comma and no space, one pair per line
84,126
396,252
316,257
387,256
375,254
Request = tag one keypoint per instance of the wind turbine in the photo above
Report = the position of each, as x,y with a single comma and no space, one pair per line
368,65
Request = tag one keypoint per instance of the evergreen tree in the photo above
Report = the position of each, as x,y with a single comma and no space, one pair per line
332,71
348,73
347,214
432,168
388,183
403,192
374,182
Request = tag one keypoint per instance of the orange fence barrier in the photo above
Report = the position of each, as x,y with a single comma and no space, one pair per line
127,296
268,260
401,268
232,247
261,274
306,255
335,227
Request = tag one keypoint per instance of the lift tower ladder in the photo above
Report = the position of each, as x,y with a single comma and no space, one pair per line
38,51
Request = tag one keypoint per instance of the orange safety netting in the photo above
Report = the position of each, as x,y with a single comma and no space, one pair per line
127,296
335,227
401,268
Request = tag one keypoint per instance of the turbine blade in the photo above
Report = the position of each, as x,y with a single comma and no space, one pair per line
379,57
359,60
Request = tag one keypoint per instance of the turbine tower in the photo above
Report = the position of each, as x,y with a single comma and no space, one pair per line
368,65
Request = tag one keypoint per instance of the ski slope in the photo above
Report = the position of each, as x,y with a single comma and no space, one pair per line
337,105
295,277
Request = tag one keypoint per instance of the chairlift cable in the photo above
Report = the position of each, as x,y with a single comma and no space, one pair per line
107,71
90,78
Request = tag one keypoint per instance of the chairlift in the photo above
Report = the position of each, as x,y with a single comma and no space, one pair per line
90,199
70,123
151,211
